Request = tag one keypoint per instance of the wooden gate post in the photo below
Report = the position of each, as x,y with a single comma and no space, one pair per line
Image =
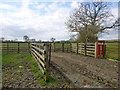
67,46
77,48
49,53
54,46
104,50
46,63
18,48
85,49
7,47
70,47
95,49
62,47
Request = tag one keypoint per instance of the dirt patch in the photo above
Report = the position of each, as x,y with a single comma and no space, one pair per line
87,71
22,76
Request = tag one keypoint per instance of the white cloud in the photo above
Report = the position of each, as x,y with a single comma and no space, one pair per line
53,6
113,34
74,4
25,21
5,6
42,22
114,11
41,6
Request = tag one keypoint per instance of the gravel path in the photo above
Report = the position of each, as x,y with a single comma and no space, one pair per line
87,71
23,77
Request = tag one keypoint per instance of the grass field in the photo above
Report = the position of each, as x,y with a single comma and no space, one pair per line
112,51
13,47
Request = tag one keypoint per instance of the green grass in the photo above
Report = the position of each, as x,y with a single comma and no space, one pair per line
15,44
12,58
50,83
19,73
112,51
17,59
40,76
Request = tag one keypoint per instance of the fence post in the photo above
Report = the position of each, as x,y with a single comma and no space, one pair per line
67,46
31,48
62,47
18,47
85,48
77,48
7,47
54,46
104,50
95,49
70,47
46,63
49,52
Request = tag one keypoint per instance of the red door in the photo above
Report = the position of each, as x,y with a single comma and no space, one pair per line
100,49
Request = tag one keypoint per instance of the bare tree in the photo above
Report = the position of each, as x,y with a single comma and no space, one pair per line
88,20
117,23
15,39
52,39
2,38
26,38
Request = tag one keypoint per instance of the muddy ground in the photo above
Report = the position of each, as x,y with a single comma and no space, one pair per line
69,69
24,77
88,72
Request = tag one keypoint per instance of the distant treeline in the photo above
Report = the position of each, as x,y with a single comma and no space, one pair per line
107,41
37,41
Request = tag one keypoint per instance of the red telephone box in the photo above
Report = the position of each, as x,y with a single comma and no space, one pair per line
100,49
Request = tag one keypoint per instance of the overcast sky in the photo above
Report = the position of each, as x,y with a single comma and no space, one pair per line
41,20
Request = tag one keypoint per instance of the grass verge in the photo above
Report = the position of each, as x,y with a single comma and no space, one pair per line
39,75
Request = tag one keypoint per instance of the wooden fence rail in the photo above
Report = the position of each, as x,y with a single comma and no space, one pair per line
84,49
42,53
15,47
88,49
